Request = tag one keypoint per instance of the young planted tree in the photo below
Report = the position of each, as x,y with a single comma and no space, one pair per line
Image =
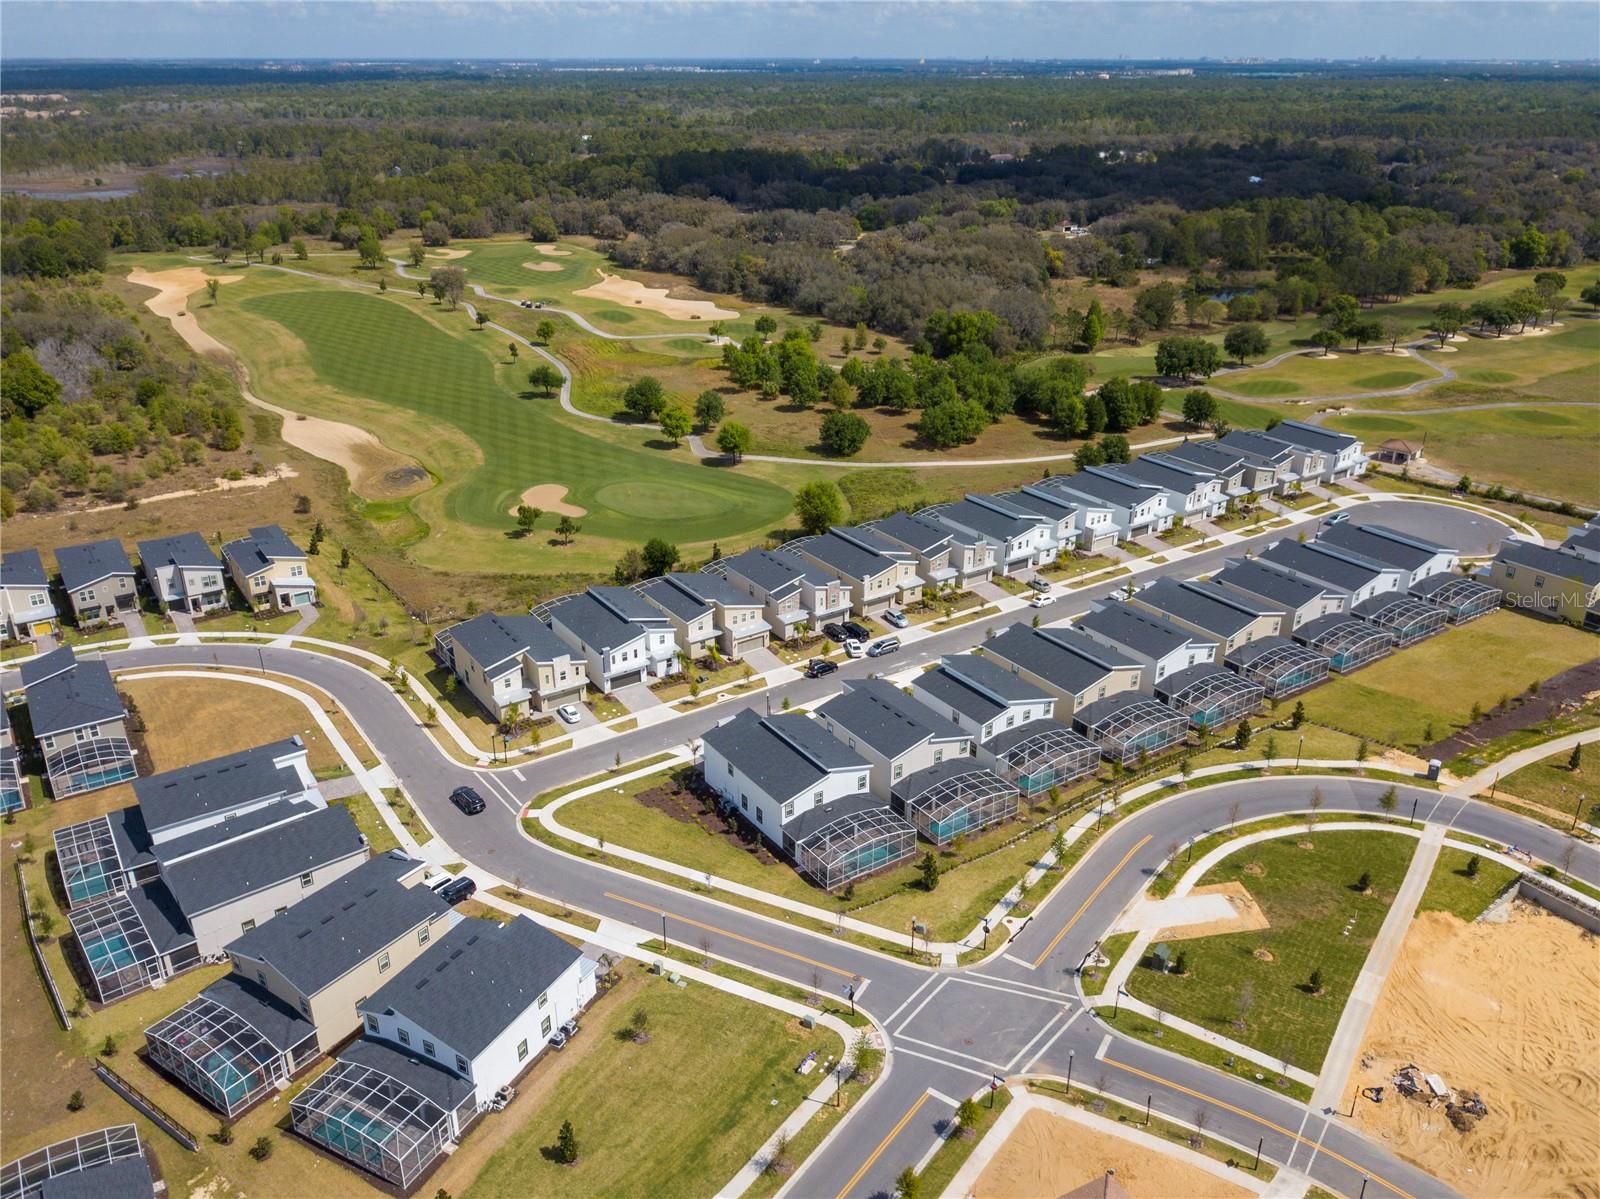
968,1115
676,423
567,1143
928,868
544,331
527,518
567,530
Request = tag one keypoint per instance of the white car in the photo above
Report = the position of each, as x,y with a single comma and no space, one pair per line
854,648
898,619
1040,601
568,713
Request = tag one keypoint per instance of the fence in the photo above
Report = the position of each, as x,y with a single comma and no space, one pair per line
167,1124
38,955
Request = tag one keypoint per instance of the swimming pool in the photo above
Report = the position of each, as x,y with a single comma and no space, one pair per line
355,1133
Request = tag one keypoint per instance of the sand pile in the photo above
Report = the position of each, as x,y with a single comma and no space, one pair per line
548,497
1511,1011
636,294
553,251
541,266
1047,1155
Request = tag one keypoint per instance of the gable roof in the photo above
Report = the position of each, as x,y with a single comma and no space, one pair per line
845,556
776,574
711,589
674,599
218,784
127,828
918,532
83,565
1251,576
243,867
1583,537
325,936
886,718
626,604
1103,483
989,522
473,982
1548,561
1136,630
185,549
491,639
1207,455
265,545
1337,568
783,755
79,696
22,568
595,623
1314,437
978,687
1166,472
275,1020
1062,657
1255,444
1204,605
1388,546
40,667
440,1086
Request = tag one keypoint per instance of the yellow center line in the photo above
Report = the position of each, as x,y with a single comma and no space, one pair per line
883,1144
1265,1123
722,932
1093,895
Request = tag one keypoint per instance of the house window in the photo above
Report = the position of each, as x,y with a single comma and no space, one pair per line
36,600
544,1000
544,1027
788,811
461,1065
247,926
423,934
522,1049
988,731
899,769
938,756
817,797
383,962
86,597
261,977
275,911
372,1024
305,879
861,782
744,803
427,1047
405,1037
305,1008
1511,572
760,816
1538,580
1011,719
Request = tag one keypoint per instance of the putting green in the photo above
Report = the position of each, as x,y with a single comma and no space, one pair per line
1488,376
376,349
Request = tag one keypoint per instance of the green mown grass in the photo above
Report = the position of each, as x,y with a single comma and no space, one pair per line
1308,896
1551,784
1451,889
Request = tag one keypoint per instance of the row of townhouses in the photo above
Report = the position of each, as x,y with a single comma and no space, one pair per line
97,580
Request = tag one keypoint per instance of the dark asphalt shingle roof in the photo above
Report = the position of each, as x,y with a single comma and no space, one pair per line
776,574
185,549
978,687
491,639
243,867
1107,484
1054,506
712,589
990,523
1063,657
597,625
920,534
1256,579
627,605
82,565
881,715
161,915
275,1020
1207,607
1335,570
36,669
325,936
265,545
223,831
1135,630
469,985
1207,455
845,557
1383,545
436,1084
1548,561
1254,444
125,1178
22,568
1583,537
74,698
783,755
1313,437
217,784
1153,469
674,600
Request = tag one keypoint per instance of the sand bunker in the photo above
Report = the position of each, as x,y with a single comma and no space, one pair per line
631,291
548,496
553,251
541,266
373,468
447,254
1050,1155
1512,1011
1441,349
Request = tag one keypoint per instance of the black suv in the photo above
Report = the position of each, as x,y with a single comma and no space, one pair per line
858,631
818,667
835,632
456,890
468,800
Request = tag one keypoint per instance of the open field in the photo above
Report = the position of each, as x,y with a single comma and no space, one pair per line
1333,374
640,1129
1455,889
1552,785
1306,886
1437,682
1508,1010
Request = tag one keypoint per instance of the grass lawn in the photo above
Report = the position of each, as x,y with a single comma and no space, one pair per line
1437,682
373,826
639,1130
1309,898
1452,889
953,1153
1337,374
1551,784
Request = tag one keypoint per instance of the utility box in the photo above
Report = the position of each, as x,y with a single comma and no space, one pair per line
1434,766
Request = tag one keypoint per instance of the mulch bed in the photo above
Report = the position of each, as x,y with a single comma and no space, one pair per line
1557,694
696,804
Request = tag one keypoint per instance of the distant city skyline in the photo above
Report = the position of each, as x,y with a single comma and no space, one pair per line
795,29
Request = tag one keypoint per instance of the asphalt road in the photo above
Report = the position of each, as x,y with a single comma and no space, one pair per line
949,1030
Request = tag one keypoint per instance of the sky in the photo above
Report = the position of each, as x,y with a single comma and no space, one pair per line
689,29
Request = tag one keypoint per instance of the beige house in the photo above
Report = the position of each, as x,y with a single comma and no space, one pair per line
507,662
1548,582
1075,669
270,571
880,572
79,722
737,624
792,591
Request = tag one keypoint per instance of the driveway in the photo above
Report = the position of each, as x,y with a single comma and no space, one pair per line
637,697
132,622
990,591
763,660
181,621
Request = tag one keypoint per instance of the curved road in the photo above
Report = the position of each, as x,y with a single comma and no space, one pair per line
949,1030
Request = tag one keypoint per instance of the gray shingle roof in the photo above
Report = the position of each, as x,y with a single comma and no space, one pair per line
1383,545
776,574
881,715
82,565
492,639
1312,437
1063,657
674,599
432,1081
1160,472
202,840
783,755
125,1178
983,520
1202,605
1053,506
1548,561
271,1017
217,785
22,568
1254,444
161,916
1116,489
1274,585
978,687
1137,631
83,695
920,534
627,605
595,624
712,589
1585,537
241,868
469,985
846,557
186,549
36,669
1334,570
324,937
1207,455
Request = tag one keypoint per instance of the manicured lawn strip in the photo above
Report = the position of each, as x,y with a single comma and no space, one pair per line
953,1153
535,904
804,1145
407,815
1094,980
372,826
831,1005
1554,786
1142,1028
546,797
1320,744
642,1126
1307,896
1451,889
1339,374
1158,1126
1437,682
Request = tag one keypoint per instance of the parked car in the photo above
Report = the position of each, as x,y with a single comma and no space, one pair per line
818,667
457,889
895,619
468,800
568,713
835,633
527,303
1040,601
1338,518
854,628
887,646
1039,584
854,648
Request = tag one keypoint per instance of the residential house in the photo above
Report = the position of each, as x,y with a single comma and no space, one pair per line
441,1040
1019,540
623,637
26,609
1462,599
694,622
1341,454
1067,663
1584,540
1241,477
1160,646
1130,727
270,570
98,580
1137,508
738,622
895,733
1536,578
1093,525
1418,558
1346,641
183,574
1192,492
507,662
79,722
880,572
1355,577
945,556
1280,666
1272,467
109,1163
1226,617
953,798
1058,515
793,592
13,791
1299,600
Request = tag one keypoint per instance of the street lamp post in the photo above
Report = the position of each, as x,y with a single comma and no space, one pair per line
1071,1053
986,924
1300,749
664,943
1577,812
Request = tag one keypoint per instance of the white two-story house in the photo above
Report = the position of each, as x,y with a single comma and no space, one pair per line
1192,492
508,662
946,557
1341,455
183,574
1163,648
1019,541
1418,558
1137,508
895,733
623,637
